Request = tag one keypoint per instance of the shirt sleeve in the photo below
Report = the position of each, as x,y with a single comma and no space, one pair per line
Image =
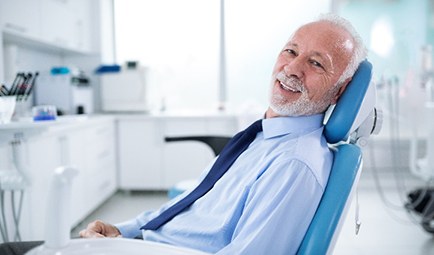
131,228
277,212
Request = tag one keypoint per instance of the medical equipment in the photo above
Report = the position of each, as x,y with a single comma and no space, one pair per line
125,91
424,167
421,200
70,91
14,183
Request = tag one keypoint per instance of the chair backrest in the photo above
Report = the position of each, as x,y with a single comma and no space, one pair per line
350,109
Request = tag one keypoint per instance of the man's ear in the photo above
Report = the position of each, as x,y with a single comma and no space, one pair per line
341,90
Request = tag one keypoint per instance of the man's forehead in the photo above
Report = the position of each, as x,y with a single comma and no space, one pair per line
323,37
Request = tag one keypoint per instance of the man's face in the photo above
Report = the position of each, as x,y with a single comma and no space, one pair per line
307,70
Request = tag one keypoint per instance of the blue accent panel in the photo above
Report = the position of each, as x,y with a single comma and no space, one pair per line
108,69
59,70
346,164
339,124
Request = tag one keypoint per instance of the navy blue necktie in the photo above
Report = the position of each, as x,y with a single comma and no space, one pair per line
227,157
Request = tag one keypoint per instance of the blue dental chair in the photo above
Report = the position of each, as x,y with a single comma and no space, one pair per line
348,126
353,119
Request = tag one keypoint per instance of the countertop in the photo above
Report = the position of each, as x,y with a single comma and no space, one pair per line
27,127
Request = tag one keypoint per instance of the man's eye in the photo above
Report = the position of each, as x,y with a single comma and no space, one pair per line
316,64
291,52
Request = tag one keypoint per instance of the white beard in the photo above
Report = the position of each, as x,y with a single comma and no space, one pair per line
303,105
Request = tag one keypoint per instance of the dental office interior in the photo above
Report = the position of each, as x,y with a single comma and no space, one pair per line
107,82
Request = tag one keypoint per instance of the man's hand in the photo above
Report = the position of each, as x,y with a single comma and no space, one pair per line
99,229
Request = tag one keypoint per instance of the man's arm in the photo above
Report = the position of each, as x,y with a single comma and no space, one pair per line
131,228
278,211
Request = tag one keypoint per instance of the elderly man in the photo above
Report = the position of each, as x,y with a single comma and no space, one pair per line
264,201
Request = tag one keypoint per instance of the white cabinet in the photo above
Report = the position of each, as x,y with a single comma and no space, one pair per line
66,23
139,149
146,161
21,16
59,24
100,178
89,147
82,14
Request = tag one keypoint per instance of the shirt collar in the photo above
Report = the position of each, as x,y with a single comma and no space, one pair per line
278,126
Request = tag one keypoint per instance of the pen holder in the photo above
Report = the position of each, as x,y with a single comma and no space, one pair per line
23,109
7,108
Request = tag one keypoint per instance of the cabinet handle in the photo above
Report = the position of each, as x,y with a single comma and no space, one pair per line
15,27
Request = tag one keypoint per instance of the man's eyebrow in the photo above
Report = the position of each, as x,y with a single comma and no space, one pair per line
292,44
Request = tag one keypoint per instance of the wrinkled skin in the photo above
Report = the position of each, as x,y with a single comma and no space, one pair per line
305,76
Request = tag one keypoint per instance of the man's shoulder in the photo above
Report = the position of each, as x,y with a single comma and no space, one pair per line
312,151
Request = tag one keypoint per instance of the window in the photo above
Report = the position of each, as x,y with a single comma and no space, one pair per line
179,41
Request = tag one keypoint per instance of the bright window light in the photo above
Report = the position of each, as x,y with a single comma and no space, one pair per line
382,39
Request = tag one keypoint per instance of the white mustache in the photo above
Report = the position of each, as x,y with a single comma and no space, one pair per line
291,82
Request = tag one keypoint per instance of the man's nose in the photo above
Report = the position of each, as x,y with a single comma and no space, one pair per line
294,67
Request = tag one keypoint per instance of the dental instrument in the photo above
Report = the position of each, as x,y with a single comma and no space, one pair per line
421,200
13,182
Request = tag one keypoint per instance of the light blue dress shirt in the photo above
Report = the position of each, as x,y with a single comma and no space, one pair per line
263,204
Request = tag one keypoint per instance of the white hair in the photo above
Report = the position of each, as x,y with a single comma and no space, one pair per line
360,53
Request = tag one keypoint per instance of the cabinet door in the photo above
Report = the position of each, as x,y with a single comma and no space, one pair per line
82,26
58,22
139,144
21,16
91,151
100,178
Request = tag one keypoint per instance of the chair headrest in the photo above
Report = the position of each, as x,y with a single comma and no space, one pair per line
353,107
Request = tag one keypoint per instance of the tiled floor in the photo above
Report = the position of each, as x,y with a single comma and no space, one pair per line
384,230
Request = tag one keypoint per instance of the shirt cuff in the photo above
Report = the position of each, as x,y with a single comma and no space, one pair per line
129,229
